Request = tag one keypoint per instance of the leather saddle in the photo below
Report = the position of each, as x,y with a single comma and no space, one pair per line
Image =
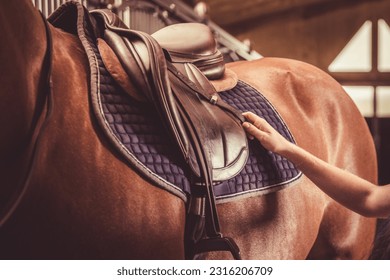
168,76
172,69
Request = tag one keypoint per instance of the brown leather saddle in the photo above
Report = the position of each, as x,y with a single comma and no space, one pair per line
172,69
183,95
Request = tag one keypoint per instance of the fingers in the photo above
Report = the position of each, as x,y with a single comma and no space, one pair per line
250,116
257,121
253,131
247,128
264,132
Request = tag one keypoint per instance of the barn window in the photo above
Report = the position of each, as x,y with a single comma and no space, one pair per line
356,55
384,46
363,68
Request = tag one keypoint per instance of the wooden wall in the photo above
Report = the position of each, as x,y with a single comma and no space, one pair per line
312,33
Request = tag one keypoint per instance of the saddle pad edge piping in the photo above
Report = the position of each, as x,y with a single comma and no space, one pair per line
259,192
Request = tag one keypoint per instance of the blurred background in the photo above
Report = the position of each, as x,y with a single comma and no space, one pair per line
349,39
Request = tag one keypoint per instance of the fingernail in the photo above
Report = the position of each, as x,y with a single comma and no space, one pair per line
246,125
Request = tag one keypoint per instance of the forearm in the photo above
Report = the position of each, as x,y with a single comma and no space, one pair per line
348,189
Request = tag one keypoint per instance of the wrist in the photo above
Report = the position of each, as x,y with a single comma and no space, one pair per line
286,149
290,151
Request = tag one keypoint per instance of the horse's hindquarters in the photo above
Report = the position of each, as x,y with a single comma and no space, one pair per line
324,121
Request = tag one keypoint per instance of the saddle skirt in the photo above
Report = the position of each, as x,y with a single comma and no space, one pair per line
134,128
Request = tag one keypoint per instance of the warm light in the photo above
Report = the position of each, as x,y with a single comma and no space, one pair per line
384,46
356,55
363,98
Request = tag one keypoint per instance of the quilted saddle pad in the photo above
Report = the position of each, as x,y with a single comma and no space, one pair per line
148,147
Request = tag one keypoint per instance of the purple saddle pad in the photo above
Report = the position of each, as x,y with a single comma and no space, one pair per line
149,149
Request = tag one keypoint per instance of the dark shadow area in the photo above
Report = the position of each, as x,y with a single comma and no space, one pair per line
383,149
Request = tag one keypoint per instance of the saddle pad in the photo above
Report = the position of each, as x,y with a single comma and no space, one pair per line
136,132
148,147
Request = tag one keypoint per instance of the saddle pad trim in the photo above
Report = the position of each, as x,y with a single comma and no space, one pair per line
257,192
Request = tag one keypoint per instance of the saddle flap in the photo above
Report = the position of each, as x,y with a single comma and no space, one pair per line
133,57
219,131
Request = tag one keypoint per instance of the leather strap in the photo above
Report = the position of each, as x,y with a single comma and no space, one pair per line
205,233
202,86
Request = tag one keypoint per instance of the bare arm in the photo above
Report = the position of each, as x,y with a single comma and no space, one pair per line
348,189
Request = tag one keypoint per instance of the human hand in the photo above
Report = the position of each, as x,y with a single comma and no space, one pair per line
258,128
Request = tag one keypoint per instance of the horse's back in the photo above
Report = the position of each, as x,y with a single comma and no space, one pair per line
324,121
321,115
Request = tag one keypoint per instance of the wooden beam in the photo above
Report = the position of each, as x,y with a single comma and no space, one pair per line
362,79
230,12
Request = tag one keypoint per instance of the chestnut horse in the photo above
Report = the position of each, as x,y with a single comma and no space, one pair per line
81,200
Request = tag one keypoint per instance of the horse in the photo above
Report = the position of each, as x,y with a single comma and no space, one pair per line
78,199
